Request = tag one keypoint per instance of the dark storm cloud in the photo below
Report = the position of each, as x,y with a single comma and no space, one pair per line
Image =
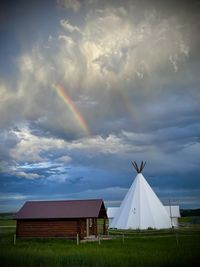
144,93
132,70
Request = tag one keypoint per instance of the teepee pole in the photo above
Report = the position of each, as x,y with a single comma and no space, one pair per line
137,168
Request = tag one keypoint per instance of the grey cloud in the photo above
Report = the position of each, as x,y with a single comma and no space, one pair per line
133,75
75,5
27,175
8,140
130,55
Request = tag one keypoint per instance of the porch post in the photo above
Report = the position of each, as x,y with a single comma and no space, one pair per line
104,225
87,227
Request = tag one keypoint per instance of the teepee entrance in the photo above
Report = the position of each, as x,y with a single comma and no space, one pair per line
141,208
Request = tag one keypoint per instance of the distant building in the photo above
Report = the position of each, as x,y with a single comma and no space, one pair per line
111,211
65,218
174,213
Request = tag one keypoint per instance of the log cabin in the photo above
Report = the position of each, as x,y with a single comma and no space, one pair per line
65,218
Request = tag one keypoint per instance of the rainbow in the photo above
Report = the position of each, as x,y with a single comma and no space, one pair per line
72,107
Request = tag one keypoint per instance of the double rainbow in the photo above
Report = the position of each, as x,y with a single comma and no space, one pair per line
72,107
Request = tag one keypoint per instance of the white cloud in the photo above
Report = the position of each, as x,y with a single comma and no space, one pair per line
69,27
12,196
130,73
173,60
37,151
27,175
109,193
97,144
122,46
65,159
75,5
31,146
61,178
38,165
112,53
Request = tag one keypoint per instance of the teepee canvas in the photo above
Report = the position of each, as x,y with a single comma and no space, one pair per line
141,208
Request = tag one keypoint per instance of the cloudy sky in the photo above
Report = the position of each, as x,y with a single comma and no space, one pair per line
86,87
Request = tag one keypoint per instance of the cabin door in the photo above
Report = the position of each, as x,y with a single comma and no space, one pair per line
86,227
89,226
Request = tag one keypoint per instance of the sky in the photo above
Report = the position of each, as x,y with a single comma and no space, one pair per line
88,86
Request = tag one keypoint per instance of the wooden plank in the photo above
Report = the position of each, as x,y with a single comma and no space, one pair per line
54,228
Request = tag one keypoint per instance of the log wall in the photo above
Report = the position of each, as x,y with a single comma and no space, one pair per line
55,228
48,228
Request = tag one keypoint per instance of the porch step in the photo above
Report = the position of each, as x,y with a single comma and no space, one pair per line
89,237
93,238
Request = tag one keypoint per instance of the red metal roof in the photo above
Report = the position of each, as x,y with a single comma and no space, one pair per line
61,209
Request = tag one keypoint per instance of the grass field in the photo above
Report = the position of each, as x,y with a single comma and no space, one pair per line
140,248
7,222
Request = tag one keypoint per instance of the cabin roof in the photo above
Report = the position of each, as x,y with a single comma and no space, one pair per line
60,209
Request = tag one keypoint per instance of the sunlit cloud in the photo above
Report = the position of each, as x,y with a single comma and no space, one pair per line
93,85
69,27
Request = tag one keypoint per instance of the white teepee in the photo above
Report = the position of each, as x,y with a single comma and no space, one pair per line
141,208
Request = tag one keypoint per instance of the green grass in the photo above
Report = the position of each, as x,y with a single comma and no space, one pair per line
141,248
7,222
194,220
7,216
